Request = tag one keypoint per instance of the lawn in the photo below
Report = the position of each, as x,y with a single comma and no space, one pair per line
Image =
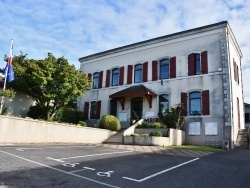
199,148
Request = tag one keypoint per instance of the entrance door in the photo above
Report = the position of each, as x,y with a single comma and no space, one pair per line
136,109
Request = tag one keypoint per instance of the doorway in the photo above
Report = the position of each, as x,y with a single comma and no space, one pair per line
136,109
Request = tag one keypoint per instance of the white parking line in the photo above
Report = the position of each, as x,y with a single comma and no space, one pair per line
82,156
65,172
61,147
161,172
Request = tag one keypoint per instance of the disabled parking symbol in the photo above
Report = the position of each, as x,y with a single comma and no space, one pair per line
107,174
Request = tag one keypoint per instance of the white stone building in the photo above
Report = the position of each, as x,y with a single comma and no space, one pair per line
200,68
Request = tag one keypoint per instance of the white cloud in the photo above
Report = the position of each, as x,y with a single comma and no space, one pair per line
77,28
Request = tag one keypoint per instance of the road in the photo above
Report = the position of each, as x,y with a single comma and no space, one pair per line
97,166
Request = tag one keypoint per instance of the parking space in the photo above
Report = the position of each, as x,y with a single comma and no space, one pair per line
90,164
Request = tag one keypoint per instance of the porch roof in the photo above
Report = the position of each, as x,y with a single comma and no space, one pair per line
137,90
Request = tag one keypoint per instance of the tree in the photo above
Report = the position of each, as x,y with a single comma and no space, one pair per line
174,117
6,95
51,82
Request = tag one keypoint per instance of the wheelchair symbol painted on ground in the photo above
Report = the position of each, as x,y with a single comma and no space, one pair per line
107,174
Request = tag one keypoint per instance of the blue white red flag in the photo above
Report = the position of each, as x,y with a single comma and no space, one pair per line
8,71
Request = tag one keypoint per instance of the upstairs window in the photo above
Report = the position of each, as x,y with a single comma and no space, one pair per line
197,63
164,69
138,73
236,72
95,80
195,103
163,103
115,77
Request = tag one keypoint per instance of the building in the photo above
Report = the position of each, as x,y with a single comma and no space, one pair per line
200,68
19,105
247,115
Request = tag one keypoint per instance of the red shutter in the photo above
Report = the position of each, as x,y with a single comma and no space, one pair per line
204,65
121,76
100,79
154,70
184,102
108,78
98,110
173,67
205,102
145,72
86,110
191,65
130,74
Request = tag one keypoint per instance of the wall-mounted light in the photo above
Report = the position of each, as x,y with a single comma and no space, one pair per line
220,69
162,82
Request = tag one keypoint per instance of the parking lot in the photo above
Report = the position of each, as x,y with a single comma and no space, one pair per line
102,166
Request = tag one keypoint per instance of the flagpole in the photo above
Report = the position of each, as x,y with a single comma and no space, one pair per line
6,73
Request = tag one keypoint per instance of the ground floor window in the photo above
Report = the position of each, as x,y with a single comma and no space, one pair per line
163,103
113,107
93,110
195,103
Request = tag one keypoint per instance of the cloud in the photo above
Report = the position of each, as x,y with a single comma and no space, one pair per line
78,28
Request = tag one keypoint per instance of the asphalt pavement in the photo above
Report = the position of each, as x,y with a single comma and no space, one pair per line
118,166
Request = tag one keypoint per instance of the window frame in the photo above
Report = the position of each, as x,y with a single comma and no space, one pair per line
93,110
160,111
137,71
95,84
197,64
160,68
192,99
117,75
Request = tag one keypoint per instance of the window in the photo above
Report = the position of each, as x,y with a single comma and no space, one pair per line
247,117
195,103
138,73
164,69
163,103
197,63
113,107
95,80
115,77
93,110
236,72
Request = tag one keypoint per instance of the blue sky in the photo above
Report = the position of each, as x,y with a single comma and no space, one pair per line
74,29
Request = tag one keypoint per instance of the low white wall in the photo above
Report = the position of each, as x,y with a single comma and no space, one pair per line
20,130
177,137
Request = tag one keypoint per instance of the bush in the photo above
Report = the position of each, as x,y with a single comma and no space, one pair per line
68,115
157,125
146,125
82,123
36,112
110,122
156,133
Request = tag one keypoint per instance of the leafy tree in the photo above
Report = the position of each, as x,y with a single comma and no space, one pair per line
51,82
174,117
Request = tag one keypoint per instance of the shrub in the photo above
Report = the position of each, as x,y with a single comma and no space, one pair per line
156,133
110,122
69,115
157,125
146,125
36,112
82,123
174,117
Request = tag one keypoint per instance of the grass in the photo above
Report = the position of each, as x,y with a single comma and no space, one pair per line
198,148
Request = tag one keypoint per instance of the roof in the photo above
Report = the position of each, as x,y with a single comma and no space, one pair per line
155,40
133,91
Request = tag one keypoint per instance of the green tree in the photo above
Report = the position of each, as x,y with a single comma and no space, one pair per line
174,117
51,82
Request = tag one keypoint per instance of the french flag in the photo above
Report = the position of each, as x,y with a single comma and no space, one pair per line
8,71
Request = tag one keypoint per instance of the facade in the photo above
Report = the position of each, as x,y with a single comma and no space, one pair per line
200,68
247,115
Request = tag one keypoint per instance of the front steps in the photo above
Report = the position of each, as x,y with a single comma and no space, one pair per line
116,138
242,139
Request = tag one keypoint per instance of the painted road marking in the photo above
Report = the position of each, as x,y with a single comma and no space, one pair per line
161,172
72,165
108,174
82,156
65,172
22,149
84,168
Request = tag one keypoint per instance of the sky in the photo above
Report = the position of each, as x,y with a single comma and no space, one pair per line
76,28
